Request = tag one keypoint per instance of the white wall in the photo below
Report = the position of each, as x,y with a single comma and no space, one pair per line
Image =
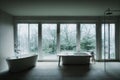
6,39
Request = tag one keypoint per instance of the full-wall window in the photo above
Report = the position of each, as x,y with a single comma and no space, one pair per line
49,45
68,37
27,36
54,38
108,41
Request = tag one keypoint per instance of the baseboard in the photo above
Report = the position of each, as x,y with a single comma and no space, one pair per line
47,60
107,60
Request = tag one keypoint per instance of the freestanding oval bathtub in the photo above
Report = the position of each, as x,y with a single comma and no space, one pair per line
22,63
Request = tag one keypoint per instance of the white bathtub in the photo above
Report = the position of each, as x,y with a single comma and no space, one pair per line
22,63
76,58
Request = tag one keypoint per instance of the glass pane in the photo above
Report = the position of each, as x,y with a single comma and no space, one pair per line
33,41
68,38
49,35
27,38
23,38
88,37
107,44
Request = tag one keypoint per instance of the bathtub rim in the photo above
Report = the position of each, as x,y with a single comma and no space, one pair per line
21,57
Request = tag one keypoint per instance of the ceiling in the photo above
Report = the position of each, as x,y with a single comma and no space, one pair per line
58,7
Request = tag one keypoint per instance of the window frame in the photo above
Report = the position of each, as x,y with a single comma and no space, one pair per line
98,21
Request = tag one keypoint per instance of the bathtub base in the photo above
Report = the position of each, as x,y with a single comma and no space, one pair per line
67,60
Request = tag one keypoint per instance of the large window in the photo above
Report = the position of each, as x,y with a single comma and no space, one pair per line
27,38
49,36
108,41
68,37
87,37
65,38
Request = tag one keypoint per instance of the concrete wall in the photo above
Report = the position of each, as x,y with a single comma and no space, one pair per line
58,7
119,37
6,39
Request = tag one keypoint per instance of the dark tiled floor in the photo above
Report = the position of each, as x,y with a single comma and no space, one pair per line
51,71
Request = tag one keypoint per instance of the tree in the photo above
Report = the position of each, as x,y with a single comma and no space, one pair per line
68,32
87,42
49,38
52,44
